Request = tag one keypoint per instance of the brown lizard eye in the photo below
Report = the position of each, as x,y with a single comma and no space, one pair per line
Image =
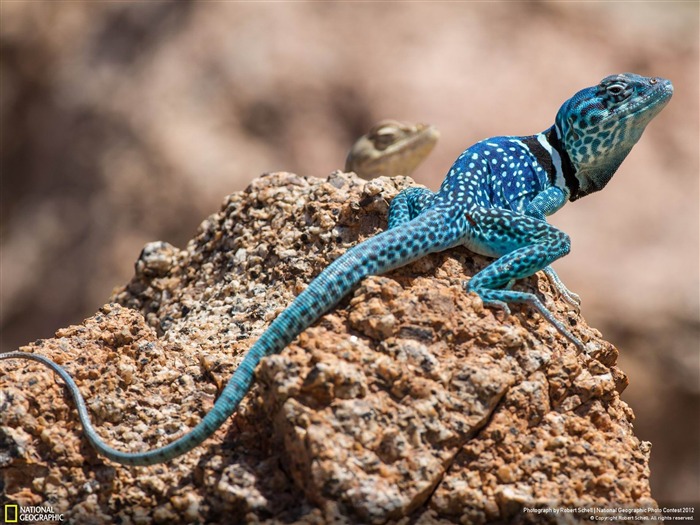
653,80
385,136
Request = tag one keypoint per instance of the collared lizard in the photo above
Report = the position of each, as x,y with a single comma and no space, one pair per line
494,201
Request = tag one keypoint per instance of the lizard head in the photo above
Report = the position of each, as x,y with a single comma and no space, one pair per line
391,148
599,125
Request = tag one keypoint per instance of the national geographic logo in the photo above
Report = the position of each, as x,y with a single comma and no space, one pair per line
14,513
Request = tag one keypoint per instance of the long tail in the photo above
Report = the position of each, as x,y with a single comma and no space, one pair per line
391,249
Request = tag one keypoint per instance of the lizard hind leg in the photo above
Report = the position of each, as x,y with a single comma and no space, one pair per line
525,246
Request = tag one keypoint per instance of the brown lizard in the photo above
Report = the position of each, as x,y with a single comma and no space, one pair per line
391,148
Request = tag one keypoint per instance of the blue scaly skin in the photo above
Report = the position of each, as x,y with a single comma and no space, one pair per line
494,201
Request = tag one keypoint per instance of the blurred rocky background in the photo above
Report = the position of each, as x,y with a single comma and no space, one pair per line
123,123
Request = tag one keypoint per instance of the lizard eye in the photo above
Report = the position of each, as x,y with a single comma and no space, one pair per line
385,136
615,89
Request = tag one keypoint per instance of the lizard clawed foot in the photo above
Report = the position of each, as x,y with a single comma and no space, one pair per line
491,303
498,298
500,305
557,324
566,294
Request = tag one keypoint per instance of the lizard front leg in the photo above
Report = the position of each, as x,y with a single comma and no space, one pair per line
544,204
525,245
408,204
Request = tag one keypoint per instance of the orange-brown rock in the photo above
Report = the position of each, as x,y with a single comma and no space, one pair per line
410,399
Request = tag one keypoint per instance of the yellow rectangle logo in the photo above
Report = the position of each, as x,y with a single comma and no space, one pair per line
11,513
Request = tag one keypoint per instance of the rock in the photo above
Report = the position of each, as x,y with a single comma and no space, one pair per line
410,399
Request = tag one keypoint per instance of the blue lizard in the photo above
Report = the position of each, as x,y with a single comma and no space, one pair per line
494,201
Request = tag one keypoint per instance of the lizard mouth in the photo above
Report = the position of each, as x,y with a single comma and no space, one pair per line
652,102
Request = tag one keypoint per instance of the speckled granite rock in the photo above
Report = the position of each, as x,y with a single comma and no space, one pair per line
408,400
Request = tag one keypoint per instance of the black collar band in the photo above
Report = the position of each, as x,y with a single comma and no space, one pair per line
544,158
567,166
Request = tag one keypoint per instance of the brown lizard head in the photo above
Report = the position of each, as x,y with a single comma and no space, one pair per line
391,148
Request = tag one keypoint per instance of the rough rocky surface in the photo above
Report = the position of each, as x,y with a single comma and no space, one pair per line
408,403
